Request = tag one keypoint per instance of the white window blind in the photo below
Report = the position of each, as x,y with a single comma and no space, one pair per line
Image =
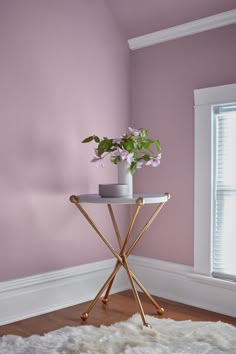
224,185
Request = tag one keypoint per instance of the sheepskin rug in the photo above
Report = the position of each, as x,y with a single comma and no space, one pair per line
166,336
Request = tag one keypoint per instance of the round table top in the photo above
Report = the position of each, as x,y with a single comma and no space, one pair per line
133,199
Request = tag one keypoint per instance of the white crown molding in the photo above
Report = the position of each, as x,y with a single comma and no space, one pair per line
186,29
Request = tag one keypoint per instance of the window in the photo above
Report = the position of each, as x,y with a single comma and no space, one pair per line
224,189
214,184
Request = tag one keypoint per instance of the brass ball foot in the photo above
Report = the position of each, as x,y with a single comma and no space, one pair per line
73,199
160,311
105,300
84,316
147,325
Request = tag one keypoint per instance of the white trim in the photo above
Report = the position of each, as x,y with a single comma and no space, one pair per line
213,281
203,171
202,190
38,294
183,30
215,95
35,295
177,282
163,266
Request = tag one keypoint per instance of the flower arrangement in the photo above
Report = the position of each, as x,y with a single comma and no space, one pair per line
134,147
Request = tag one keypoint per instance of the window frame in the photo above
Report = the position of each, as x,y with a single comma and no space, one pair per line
204,99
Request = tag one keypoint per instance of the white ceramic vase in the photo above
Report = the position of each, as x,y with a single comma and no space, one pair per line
125,176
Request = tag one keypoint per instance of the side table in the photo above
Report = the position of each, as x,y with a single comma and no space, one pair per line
139,201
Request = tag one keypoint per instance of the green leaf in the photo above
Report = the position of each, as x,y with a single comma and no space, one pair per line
87,140
145,157
105,145
133,167
158,144
129,145
116,160
146,144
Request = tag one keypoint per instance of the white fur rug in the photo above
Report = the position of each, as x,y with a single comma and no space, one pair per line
166,336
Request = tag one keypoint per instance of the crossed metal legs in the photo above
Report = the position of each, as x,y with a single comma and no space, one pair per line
122,257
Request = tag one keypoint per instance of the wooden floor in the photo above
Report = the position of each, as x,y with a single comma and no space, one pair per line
120,307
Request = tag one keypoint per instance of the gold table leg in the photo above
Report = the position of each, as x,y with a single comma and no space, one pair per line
113,219
122,256
160,310
85,315
135,292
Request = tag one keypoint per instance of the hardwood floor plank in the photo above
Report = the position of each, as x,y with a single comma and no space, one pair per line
120,307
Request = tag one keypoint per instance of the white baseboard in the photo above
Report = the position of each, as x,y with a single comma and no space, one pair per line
39,294
178,283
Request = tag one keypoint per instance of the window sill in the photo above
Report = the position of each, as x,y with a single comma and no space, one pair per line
220,283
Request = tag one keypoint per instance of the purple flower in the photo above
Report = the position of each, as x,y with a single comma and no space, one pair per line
117,140
140,164
134,147
135,132
124,155
154,161
130,157
117,152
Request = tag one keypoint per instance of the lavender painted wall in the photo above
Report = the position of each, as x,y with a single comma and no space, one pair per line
64,70
163,79
139,17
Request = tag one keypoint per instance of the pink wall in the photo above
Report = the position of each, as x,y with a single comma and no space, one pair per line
64,70
139,17
163,79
